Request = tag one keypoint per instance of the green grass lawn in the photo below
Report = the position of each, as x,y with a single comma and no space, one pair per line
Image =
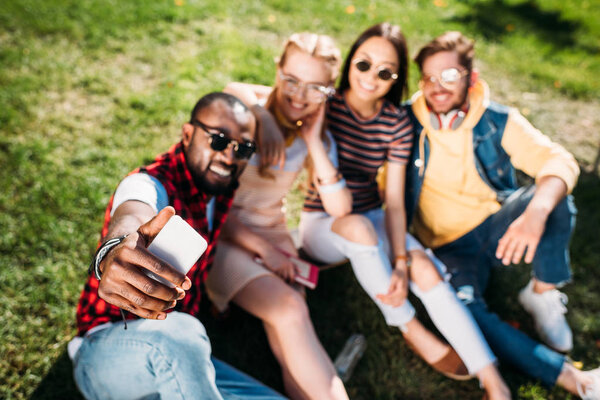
91,89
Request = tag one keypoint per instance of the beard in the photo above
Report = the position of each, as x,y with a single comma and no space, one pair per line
458,104
216,187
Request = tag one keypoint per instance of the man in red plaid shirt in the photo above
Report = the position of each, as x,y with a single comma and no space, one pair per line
166,352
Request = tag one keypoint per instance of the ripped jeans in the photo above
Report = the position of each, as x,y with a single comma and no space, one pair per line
372,267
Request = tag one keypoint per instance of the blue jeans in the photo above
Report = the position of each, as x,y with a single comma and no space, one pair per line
470,258
153,359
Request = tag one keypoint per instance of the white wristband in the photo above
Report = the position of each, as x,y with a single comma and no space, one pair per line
332,187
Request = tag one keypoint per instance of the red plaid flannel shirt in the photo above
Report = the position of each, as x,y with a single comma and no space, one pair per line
171,170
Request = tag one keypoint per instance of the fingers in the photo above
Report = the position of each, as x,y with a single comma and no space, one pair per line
290,271
286,271
506,248
151,228
501,247
138,308
154,288
518,252
393,299
130,282
511,249
531,252
396,294
142,258
315,118
125,284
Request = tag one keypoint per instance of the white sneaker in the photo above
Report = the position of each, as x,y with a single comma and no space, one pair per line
548,311
592,390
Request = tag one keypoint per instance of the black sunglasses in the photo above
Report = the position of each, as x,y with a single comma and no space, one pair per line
382,73
219,141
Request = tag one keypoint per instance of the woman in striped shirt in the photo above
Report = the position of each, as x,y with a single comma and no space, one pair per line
370,127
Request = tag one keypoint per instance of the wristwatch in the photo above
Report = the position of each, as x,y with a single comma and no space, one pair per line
101,253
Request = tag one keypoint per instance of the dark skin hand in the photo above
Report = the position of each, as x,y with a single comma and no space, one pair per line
123,282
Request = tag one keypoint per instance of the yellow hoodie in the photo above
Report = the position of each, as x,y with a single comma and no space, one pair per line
454,199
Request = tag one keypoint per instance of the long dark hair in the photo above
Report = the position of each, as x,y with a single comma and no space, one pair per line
394,35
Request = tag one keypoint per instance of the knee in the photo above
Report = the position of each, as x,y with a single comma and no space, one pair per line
356,228
422,271
182,332
291,310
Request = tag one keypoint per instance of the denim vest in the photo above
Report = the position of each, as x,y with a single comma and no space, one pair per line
491,161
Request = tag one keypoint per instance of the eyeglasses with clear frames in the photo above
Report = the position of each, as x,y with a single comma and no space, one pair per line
449,78
314,93
219,141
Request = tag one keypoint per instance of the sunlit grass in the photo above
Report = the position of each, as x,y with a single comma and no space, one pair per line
90,90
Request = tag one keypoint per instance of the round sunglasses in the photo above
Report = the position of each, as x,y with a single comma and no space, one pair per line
449,78
383,73
218,141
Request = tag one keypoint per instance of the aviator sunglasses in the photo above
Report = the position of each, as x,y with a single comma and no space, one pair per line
383,73
219,141
448,78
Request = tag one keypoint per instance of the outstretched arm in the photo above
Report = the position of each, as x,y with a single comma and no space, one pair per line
523,235
123,283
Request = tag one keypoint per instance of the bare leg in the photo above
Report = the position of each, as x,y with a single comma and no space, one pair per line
427,345
493,384
292,388
541,287
292,337
570,376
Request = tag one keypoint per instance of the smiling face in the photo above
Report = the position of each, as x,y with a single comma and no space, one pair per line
217,172
366,85
439,98
304,69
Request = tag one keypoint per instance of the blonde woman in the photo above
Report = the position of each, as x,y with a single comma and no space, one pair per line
250,268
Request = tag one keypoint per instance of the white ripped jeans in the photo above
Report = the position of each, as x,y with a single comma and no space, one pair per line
372,268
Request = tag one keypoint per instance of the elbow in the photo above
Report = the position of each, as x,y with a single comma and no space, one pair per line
232,88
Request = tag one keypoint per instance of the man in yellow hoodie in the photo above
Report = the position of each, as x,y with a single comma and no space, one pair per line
465,203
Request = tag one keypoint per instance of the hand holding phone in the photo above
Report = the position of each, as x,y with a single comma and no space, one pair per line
178,244
174,248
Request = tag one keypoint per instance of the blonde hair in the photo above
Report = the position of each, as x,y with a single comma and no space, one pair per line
318,46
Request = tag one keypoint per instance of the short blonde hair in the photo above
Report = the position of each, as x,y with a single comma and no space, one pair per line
319,46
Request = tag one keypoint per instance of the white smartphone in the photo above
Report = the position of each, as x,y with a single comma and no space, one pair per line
178,244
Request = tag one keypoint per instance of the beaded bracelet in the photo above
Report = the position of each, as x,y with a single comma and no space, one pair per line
404,257
101,253
328,181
